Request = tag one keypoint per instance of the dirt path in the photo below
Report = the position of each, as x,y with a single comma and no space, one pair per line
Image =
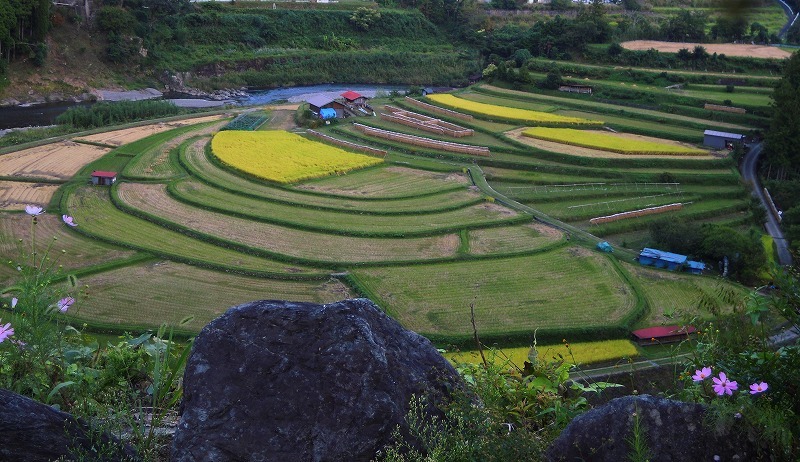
728,49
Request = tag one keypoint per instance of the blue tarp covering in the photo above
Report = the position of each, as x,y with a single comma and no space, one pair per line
663,256
605,247
327,113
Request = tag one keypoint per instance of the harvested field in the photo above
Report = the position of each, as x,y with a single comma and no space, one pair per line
155,163
79,251
512,239
129,135
387,182
203,294
728,49
318,247
510,294
593,152
16,195
56,161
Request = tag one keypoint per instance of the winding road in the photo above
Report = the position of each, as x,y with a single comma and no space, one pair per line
749,173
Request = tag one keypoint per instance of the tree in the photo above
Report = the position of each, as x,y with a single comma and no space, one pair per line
363,18
686,26
783,138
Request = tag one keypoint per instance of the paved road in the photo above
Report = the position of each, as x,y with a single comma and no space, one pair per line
790,14
749,172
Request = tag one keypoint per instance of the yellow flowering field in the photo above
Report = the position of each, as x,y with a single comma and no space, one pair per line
609,142
284,157
522,115
581,353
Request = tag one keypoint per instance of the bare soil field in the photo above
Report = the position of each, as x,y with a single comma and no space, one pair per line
728,49
16,195
56,161
589,152
129,135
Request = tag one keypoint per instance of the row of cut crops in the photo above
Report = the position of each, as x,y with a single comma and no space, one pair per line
423,142
438,109
423,122
608,142
636,213
347,144
510,113
284,157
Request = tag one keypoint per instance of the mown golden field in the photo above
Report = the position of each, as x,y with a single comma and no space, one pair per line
284,157
510,113
609,142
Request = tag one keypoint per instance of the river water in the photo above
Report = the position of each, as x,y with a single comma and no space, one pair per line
45,114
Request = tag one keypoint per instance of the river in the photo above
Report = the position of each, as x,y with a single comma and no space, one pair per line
45,114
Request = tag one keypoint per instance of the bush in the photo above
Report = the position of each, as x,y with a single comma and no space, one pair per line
105,113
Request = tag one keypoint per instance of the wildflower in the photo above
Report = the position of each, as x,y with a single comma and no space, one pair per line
69,220
64,304
33,210
6,331
14,302
724,386
757,388
702,374
738,415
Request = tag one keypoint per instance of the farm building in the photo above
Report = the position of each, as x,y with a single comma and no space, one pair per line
670,261
103,178
662,334
721,140
354,98
319,102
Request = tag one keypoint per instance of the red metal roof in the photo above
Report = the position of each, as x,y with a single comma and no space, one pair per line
350,95
663,331
104,174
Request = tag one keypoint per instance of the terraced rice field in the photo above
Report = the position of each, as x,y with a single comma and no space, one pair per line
15,195
98,218
674,297
319,194
203,196
129,135
610,142
577,353
512,239
176,291
281,241
284,157
387,183
517,294
79,251
56,161
509,113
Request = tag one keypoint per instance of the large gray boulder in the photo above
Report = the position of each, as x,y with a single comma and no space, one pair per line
284,381
33,432
674,431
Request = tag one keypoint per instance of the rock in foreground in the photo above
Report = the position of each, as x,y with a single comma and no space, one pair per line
283,381
673,431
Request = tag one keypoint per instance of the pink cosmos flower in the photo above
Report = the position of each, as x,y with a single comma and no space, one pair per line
724,386
33,210
702,374
14,302
64,304
6,331
757,388
69,220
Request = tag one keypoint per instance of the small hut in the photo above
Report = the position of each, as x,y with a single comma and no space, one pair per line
103,178
721,140
661,259
662,334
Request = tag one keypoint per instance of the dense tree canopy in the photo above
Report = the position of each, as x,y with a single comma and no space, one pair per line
783,138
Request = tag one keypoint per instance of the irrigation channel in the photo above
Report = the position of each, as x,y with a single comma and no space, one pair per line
45,114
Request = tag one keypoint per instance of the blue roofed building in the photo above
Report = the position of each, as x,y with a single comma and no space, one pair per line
661,259
670,261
